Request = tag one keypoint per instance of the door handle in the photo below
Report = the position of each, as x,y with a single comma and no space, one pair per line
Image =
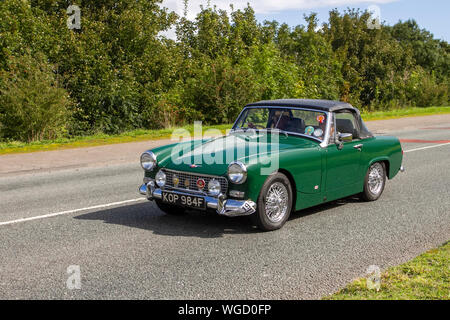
358,146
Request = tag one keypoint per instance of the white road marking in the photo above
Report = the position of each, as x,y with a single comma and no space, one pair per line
429,147
101,206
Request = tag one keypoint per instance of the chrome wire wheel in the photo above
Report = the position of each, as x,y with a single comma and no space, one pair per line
276,204
376,178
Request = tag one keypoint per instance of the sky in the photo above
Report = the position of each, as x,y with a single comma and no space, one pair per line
433,15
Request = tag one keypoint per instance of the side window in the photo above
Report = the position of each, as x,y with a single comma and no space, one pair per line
346,123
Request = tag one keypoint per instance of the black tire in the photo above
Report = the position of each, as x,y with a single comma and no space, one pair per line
369,194
261,217
168,209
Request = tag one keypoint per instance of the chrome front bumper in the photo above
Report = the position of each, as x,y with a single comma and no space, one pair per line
225,207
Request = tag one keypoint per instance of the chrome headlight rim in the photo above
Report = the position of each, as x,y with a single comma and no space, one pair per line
161,179
243,172
217,187
148,161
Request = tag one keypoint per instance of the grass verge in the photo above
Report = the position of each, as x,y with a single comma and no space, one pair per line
142,135
403,113
97,140
427,277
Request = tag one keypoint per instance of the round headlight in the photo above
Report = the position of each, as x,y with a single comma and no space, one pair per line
148,160
237,172
160,179
214,187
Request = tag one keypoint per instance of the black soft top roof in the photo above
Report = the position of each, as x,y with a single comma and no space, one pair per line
323,105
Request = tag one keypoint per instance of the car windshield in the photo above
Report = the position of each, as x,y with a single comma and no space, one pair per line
299,121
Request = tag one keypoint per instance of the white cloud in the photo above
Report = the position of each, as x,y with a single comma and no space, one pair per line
263,6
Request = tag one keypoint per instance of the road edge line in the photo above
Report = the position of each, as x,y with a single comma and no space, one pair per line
428,147
101,206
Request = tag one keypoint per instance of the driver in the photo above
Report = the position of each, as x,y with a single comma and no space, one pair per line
280,122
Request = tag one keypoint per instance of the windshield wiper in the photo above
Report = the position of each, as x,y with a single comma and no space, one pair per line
276,130
272,130
237,130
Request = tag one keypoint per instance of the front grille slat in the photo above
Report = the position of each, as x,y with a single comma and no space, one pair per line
192,178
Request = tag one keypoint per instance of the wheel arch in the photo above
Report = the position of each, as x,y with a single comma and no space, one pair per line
387,164
290,177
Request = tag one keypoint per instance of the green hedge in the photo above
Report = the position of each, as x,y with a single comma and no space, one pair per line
117,73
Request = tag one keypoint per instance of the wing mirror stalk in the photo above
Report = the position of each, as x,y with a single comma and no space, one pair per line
343,137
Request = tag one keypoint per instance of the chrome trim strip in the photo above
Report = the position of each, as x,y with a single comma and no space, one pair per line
282,132
197,192
326,138
157,194
143,190
225,207
192,173
323,143
148,188
237,194
235,208
278,131
224,185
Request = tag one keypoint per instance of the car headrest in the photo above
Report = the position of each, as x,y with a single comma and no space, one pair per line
296,125
345,126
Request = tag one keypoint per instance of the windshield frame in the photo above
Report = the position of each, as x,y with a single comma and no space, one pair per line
323,143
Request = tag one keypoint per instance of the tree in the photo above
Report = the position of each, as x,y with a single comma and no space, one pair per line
32,104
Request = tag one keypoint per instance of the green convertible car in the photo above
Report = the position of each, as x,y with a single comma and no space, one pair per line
280,156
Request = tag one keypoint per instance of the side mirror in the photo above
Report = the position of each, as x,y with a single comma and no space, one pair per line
345,137
341,138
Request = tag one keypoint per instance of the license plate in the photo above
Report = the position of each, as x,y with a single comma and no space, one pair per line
184,200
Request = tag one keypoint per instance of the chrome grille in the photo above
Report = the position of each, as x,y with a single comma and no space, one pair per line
192,180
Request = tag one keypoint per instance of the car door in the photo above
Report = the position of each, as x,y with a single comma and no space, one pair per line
344,160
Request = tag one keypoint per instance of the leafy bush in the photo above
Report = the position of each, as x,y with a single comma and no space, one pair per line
32,105
422,89
218,90
122,74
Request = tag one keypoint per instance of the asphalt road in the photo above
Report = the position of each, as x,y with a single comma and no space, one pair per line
131,250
